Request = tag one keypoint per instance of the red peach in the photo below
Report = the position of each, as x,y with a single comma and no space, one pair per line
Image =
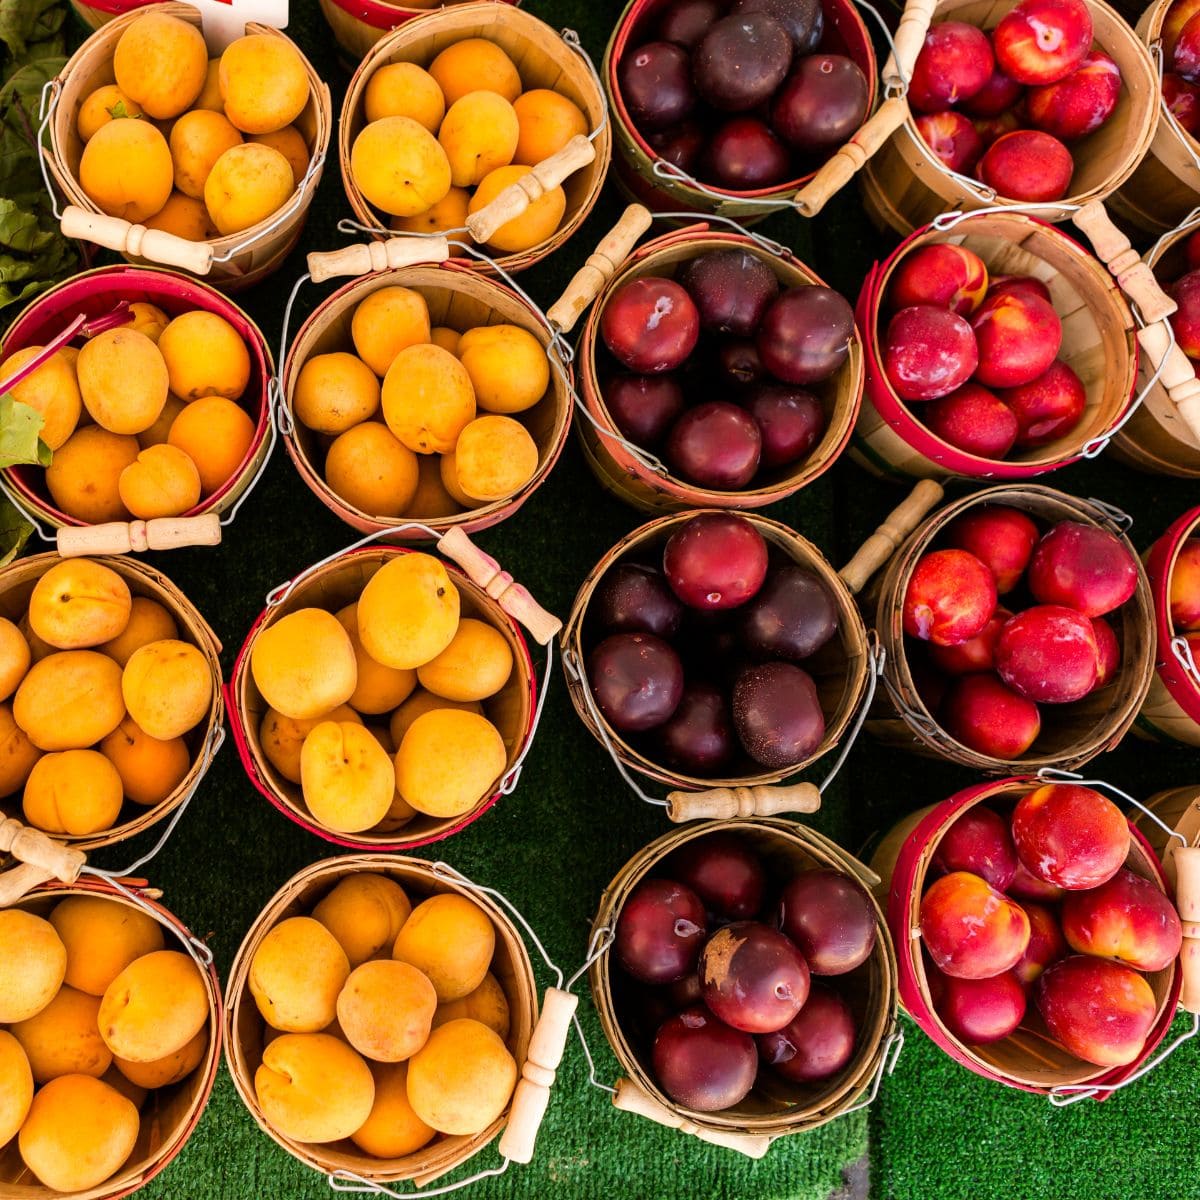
997,96
1003,285
974,656
1046,943
928,352
973,420
1042,41
1109,656
1186,57
1183,101
1047,407
954,63
989,718
1178,15
1185,321
1100,1011
979,1010
971,930
1185,586
941,274
1019,336
980,842
1128,918
1083,567
1070,835
1002,538
1028,165
952,139
1027,886
950,597
991,129
1079,104
1048,654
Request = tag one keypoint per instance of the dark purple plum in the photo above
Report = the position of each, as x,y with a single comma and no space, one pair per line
699,737
830,918
685,22
637,680
790,420
716,445
792,617
822,105
816,1044
660,932
752,977
738,365
777,714
650,325
644,407
731,290
703,1064
804,20
724,872
685,992
744,155
740,61
715,560
681,145
635,598
656,84
806,334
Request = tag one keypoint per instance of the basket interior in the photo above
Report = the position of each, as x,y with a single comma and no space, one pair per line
1097,338
462,301
333,587
1168,259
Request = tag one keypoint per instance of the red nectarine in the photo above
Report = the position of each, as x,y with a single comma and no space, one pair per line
1002,538
1028,165
1041,41
1128,918
1048,654
989,718
971,930
950,597
1070,835
1084,567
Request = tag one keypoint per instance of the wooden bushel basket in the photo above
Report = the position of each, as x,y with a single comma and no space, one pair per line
1072,734
545,59
843,669
781,1108
1028,1059
905,185
17,582
456,296
536,1043
170,1114
358,24
487,593
232,262
95,294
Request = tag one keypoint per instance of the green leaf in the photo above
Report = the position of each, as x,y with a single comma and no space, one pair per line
14,531
20,425
25,22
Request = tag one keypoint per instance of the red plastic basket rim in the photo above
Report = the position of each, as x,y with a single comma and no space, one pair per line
1159,564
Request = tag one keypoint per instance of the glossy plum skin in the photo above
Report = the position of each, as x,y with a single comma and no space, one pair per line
804,20
979,1011
715,561
702,1063
816,1044
650,325
1047,407
681,145
830,918
722,870
637,680
656,85
777,714
744,155
741,60
790,420
685,22
792,617
698,738
805,335
660,931
644,407
634,598
979,841
928,352
731,289
822,105
738,365
716,445
752,977
973,420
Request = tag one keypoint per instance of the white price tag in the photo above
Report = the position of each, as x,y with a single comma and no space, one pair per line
225,20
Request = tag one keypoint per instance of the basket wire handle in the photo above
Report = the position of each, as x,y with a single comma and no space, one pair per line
46,108
887,1065
1181,648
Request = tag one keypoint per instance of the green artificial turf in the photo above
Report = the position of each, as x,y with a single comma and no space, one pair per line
937,1132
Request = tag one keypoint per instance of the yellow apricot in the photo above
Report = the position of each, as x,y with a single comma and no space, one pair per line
365,913
421,702
161,62
123,380
476,664
403,89
210,94
64,1038
296,974
447,338
385,1009
474,64
79,1132
427,399
448,216
335,392
304,664
392,1130
263,83
158,433
431,499
508,366
283,737
205,356
84,476
38,649
76,792
162,482
106,103
122,1086
289,141
314,1088
79,603
462,1079
16,1087
346,777
52,389
197,140
167,686
399,166
148,622
154,1007
408,611
548,122
69,700
369,468
479,134
246,185
449,471
15,658
33,961
534,226
17,753
399,815
162,1072
102,937
150,768
216,435
487,1004
379,688
448,762
148,319
387,321
451,939
183,216
126,170
495,457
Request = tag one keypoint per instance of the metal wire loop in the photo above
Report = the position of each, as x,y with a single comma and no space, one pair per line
876,658
509,783
1117,517
1057,775
282,217
946,221
768,244
348,1182
887,1064
1181,648
572,39
45,113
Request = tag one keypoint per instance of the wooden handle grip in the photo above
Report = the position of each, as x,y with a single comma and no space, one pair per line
484,570
19,881
614,248
546,1047
1133,276
908,40
845,164
631,1098
365,257
1178,374
154,245
518,196
882,544
41,853
759,800
121,537
1187,900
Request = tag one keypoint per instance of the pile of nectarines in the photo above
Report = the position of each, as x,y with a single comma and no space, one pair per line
196,147
1041,907
97,1012
1181,64
385,1024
